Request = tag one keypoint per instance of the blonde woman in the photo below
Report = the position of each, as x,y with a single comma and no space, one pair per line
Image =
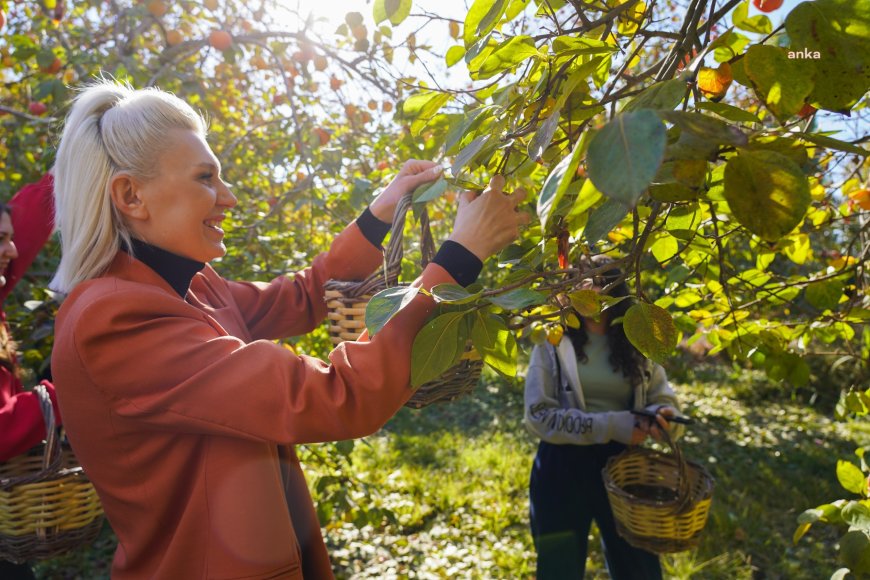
178,404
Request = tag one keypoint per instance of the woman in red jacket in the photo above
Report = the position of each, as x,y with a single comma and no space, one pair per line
177,402
28,219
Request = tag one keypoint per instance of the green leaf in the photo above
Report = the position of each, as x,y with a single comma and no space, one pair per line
831,143
664,247
664,95
728,45
603,219
518,299
730,112
454,55
759,24
587,303
651,330
672,191
427,111
824,295
828,513
454,294
481,19
625,155
393,10
857,515
468,153
706,127
855,551
781,82
437,347
851,477
576,45
840,31
477,53
507,55
495,343
587,197
419,104
542,137
811,516
557,183
767,193
385,304
430,191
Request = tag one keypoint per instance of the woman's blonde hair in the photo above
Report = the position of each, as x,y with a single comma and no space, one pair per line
110,128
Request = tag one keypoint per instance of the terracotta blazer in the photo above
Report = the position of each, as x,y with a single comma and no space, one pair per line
182,411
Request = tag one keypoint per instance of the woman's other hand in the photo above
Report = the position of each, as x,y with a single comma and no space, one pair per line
413,174
486,223
662,422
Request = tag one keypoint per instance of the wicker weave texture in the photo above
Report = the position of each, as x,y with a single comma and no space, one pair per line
672,522
47,517
47,504
347,316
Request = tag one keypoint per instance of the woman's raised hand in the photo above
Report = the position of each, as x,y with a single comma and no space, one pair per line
414,173
486,223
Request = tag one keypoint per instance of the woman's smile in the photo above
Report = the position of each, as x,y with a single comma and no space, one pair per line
214,224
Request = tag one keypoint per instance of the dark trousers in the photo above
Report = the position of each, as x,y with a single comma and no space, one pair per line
566,493
10,571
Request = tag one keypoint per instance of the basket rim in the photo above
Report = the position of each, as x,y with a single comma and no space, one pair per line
704,477
9,483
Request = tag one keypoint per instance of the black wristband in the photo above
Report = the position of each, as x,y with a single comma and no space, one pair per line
459,262
372,228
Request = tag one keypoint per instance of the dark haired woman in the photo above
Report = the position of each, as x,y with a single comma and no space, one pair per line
578,401
29,218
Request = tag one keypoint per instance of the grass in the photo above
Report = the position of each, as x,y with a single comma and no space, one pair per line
456,478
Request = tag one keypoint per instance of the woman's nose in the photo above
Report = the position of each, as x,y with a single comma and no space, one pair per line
9,250
226,197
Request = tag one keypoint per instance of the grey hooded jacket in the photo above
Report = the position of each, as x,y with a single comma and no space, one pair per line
557,413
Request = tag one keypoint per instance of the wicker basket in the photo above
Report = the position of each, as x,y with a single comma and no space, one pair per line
346,303
660,501
47,504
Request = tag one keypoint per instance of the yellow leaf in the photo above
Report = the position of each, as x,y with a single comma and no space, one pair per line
797,248
630,20
714,82
800,531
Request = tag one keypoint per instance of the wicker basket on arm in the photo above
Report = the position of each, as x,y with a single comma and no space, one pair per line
660,501
347,300
47,504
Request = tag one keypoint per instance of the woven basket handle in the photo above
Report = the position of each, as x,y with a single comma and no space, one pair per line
388,274
684,487
52,456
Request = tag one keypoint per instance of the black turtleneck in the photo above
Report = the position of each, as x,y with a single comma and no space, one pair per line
177,270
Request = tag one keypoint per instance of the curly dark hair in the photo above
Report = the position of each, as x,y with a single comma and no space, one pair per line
623,355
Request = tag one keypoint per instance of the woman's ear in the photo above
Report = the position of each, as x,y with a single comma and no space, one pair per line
126,196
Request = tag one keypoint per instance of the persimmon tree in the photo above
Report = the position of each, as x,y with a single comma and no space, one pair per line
687,149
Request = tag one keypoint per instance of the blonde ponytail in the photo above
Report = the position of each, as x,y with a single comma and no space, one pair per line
110,128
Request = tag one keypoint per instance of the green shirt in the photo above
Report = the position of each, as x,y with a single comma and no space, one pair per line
603,388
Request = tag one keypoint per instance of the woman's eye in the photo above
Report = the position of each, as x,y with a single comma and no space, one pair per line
206,176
